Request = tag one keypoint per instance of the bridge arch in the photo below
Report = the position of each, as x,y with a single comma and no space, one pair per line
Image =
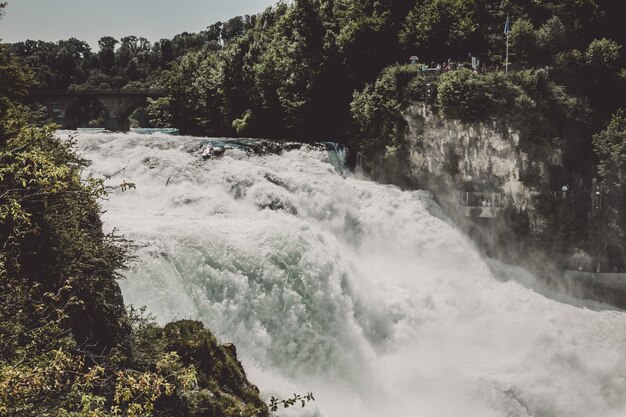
121,106
124,116
82,111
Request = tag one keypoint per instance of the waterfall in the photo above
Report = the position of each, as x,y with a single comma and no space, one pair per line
358,292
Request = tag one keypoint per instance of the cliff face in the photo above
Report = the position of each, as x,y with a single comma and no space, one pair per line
452,154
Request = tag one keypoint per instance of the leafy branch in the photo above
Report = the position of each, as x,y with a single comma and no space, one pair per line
275,403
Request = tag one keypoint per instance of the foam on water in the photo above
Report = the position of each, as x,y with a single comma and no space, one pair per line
347,288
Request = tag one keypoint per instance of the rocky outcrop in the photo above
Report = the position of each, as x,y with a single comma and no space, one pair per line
452,153
223,388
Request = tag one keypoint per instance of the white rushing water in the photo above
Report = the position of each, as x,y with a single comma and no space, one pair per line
347,288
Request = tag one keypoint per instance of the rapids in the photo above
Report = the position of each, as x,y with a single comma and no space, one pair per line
358,292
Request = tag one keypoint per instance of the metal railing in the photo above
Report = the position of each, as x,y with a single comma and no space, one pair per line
615,278
481,199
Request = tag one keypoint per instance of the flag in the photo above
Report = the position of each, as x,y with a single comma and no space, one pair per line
506,25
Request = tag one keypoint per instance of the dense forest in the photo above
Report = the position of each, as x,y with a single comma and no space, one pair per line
293,69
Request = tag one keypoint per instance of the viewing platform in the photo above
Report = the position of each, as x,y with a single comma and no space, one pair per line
484,205
615,279
561,194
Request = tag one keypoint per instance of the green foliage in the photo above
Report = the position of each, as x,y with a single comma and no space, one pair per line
602,83
297,398
610,147
15,79
60,302
47,215
158,111
366,36
524,40
443,28
195,98
552,36
534,46
241,125
603,55
466,96
296,66
549,118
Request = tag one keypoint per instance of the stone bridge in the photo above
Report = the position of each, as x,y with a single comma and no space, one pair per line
68,108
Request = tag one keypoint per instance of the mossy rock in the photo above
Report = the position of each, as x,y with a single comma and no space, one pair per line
225,389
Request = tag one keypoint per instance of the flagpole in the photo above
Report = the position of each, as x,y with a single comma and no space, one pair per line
506,65
506,31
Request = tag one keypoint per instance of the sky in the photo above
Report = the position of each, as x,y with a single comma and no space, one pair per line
89,20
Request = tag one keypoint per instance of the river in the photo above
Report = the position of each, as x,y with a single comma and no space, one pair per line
358,292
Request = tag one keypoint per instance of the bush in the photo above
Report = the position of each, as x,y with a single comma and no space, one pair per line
466,96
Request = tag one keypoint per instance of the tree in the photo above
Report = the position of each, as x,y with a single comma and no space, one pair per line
602,55
195,96
524,41
107,42
610,147
16,79
442,28
606,86
232,29
366,37
553,37
166,50
159,112
126,51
